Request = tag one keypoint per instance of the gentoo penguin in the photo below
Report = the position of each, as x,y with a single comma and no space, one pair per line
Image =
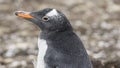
59,46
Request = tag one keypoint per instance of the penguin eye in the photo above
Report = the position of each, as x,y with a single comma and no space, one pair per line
45,18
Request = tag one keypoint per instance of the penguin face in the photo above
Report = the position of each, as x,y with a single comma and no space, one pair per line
46,19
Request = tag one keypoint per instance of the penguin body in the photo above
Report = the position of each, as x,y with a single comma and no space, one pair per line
59,46
65,55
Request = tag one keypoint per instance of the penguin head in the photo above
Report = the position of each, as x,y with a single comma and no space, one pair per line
47,19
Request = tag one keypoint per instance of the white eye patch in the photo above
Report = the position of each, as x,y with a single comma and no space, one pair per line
52,13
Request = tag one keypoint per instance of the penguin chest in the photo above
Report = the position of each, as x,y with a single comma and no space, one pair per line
42,46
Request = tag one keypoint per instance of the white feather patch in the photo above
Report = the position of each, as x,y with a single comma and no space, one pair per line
52,13
42,45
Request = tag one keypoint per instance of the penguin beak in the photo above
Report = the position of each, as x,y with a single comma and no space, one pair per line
23,14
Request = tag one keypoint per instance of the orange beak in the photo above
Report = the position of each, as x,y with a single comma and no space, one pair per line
23,14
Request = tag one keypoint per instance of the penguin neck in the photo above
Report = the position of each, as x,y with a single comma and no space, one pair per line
52,34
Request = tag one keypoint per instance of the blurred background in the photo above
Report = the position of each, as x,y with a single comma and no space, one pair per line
96,22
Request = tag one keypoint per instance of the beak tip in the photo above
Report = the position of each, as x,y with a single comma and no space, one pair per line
23,14
16,13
